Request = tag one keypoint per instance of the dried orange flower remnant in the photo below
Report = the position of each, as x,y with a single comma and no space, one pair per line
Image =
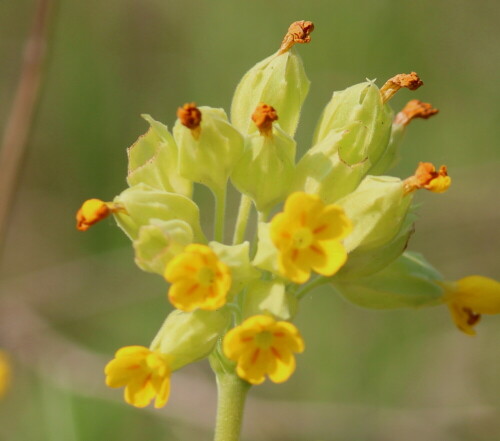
409,81
263,117
298,32
426,176
414,109
190,116
92,211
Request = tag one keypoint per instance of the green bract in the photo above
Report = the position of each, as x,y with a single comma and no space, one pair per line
265,171
143,203
281,82
190,336
269,297
152,160
408,282
209,158
159,241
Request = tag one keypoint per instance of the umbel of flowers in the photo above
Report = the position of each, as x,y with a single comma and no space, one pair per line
333,217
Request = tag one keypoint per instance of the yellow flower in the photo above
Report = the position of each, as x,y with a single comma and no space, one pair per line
144,373
199,279
4,373
307,234
426,176
94,210
470,297
261,345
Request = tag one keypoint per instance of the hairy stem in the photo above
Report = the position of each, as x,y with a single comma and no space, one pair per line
232,392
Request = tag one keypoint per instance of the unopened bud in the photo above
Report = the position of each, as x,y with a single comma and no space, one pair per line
190,336
94,210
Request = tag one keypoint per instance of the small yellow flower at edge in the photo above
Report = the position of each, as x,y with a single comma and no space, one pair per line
470,297
4,373
144,374
308,234
199,279
93,211
263,346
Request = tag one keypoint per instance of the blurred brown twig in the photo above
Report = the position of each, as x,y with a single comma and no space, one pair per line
20,120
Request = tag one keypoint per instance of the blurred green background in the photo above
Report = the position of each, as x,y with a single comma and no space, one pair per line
68,299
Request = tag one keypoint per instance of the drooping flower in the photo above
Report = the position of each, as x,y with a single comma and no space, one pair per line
307,235
144,374
199,279
263,346
470,297
92,211
426,176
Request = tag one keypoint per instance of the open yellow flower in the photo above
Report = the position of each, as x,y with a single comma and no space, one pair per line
308,234
263,346
470,297
4,373
199,279
144,374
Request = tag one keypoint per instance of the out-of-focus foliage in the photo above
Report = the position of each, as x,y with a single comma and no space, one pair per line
66,300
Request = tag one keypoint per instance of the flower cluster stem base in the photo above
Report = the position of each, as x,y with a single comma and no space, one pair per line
232,392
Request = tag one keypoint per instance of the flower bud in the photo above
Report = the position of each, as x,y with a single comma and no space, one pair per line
153,158
93,211
209,146
158,242
378,208
5,369
409,282
279,80
361,103
266,169
269,297
187,337
364,262
143,203
322,171
237,258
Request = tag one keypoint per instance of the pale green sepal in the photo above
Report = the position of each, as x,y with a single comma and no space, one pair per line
143,203
391,155
377,208
153,158
210,157
409,282
160,241
266,257
363,262
269,297
279,81
266,169
359,103
322,171
190,336
237,258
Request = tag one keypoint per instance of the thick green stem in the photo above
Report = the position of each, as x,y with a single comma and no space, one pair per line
232,392
242,219
220,214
